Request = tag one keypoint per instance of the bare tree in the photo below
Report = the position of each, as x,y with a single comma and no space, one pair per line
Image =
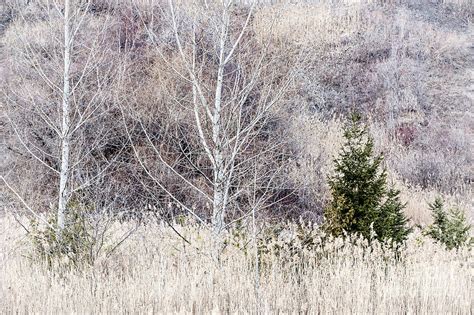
231,89
59,91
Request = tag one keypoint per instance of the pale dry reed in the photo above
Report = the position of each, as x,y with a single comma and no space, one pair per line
156,272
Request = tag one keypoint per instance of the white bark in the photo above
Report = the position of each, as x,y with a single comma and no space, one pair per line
219,202
65,127
77,92
224,125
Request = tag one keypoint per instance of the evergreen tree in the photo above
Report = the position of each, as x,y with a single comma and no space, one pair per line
392,223
450,228
440,219
361,200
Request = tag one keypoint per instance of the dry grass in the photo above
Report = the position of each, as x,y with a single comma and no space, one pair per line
400,65
154,272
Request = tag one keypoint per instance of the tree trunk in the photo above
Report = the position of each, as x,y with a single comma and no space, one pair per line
65,130
219,202
218,213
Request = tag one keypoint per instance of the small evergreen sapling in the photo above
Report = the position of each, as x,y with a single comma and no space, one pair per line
362,203
449,227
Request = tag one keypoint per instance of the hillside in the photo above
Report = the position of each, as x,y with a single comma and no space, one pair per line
316,153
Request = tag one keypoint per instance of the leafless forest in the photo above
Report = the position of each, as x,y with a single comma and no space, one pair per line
184,156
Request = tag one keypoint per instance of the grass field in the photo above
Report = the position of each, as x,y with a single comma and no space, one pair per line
156,272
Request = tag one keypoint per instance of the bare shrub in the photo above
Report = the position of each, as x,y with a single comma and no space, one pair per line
315,142
403,66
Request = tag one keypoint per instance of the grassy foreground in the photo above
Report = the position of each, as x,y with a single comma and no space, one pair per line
156,272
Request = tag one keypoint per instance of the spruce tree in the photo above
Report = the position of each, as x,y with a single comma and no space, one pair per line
392,223
449,227
440,220
362,203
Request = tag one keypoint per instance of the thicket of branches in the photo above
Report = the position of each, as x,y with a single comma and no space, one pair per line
224,111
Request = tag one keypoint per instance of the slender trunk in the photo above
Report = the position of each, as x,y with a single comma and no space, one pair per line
65,129
257,266
219,202
218,213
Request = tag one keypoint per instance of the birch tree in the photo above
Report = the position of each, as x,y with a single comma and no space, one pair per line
232,93
61,73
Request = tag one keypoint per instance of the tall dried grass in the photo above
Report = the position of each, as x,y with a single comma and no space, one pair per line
156,272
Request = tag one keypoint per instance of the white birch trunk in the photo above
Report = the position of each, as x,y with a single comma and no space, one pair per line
219,203
65,128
